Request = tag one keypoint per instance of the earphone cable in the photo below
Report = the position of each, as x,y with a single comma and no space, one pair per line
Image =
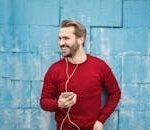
66,89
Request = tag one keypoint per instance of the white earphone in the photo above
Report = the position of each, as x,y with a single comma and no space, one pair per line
66,90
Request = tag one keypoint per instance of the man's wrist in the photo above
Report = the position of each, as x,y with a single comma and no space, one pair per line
99,122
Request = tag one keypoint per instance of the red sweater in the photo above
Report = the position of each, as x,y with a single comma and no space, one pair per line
87,82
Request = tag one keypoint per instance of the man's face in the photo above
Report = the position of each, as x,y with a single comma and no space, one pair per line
68,42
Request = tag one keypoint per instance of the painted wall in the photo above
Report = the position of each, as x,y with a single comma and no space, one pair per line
118,32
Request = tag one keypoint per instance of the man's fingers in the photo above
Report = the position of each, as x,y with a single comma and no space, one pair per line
67,99
69,104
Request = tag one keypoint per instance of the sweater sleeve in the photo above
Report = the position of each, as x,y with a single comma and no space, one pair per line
114,94
48,101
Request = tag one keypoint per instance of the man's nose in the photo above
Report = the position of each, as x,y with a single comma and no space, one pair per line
61,42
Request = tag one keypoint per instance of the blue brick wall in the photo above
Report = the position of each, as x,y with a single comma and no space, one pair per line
118,31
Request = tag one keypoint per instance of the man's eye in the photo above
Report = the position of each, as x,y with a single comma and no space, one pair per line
66,38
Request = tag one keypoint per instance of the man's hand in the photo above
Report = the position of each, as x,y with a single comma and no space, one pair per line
98,126
67,99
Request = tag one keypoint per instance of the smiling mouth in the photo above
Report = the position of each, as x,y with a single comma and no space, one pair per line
64,48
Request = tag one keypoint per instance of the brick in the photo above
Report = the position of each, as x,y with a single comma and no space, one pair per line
6,122
5,93
48,60
136,14
144,70
19,13
14,94
23,119
134,69
24,66
41,120
20,68
26,119
87,45
36,12
112,122
44,39
120,41
93,12
5,65
131,120
5,12
114,62
135,97
21,41
36,87
21,93
35,66
6,38
15,119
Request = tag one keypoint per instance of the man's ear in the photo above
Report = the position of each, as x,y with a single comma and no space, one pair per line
80,40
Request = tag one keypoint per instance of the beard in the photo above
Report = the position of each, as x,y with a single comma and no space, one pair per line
69,51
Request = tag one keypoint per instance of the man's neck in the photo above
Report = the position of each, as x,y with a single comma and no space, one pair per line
78,58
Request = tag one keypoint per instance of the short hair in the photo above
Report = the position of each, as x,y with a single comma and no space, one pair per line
80,30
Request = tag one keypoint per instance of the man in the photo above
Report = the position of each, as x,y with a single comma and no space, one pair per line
73,85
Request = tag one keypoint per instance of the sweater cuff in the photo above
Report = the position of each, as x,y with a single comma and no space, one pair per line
102,118
47,105
56,104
